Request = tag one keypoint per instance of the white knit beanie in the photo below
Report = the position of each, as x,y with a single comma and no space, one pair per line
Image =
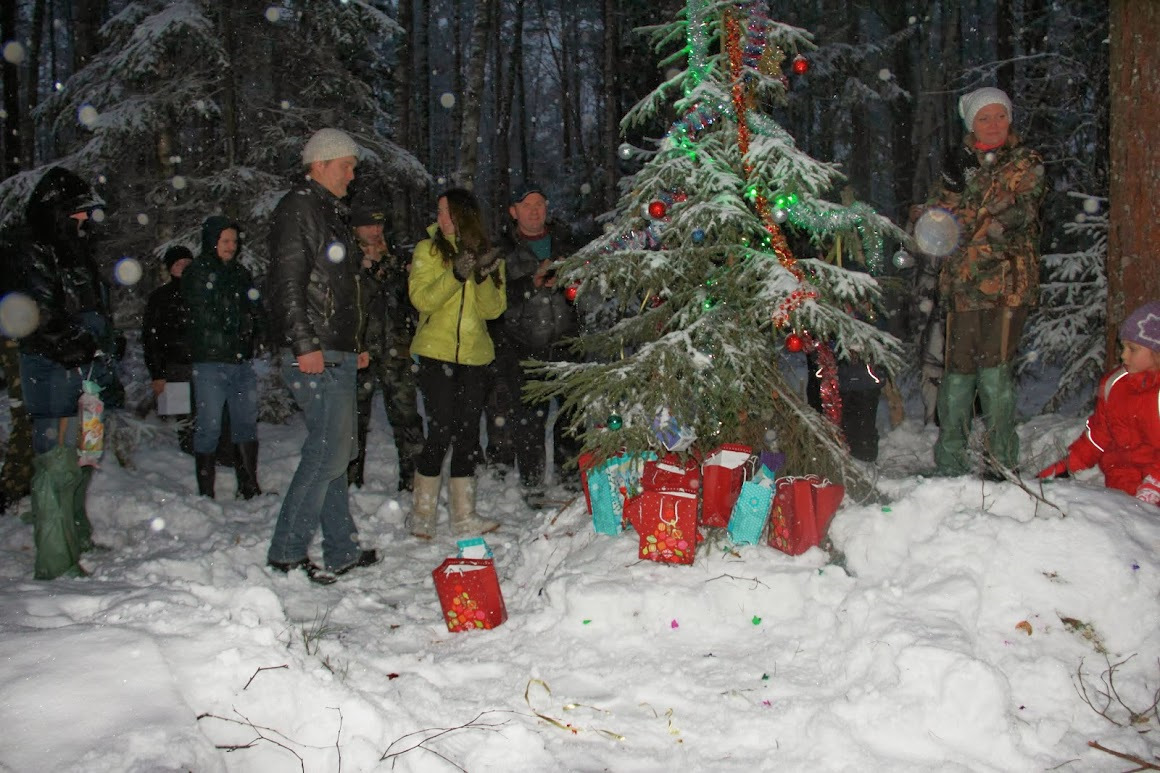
971,104
328,144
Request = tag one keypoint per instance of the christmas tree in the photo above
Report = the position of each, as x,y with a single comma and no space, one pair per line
695,266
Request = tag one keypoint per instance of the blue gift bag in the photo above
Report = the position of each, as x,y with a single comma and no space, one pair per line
751,510
609,483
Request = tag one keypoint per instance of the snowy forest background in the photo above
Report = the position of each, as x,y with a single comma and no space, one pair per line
186,108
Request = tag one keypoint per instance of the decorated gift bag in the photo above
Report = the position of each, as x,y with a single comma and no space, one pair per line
667,524
609,484
671,474
751,510
469,594
802,509
722,474
91,440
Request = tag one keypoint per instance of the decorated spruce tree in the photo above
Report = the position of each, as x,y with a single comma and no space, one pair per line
695,306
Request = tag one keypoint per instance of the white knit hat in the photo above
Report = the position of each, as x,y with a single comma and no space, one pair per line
328,144
971,104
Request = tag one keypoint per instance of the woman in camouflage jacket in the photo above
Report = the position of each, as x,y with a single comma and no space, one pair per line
994,188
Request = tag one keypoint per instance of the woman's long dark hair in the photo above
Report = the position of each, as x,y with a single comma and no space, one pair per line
470,235
469,231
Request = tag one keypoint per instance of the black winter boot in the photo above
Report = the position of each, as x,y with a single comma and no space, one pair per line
206,465
246,467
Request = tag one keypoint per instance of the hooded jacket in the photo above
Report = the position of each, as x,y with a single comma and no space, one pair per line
452,314
55,267
225,312
313,285
1123,433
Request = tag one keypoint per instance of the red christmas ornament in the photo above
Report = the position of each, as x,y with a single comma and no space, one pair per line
570,292
800,65
794,342
657,210
655,301
681,197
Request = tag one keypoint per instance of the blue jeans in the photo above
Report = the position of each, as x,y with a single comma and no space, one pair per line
224,383
317,495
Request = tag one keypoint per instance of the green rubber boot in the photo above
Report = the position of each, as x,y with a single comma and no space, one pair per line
997,397
956,404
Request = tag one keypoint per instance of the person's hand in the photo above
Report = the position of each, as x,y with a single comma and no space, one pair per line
364,360
158,386
463,265
1057,470
1149,491
487,263
311,362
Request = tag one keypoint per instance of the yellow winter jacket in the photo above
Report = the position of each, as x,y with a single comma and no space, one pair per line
452,314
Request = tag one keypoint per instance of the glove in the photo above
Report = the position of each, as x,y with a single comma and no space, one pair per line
487,263
463,265
1149,491
1057,470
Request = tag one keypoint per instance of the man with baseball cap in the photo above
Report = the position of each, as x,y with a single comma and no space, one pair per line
314,304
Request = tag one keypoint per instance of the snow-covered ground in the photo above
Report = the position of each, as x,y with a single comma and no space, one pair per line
955,635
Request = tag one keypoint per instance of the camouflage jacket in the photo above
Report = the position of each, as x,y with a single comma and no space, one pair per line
995,197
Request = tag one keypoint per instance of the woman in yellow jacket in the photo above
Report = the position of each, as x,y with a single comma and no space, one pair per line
456,283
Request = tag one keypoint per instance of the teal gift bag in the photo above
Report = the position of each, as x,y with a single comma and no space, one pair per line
751,510
609,484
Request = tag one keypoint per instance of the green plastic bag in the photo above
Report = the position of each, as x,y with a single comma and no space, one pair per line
61,527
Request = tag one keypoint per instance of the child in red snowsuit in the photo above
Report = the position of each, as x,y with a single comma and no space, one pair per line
1123,434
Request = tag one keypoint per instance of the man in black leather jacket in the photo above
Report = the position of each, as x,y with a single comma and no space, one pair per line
315,312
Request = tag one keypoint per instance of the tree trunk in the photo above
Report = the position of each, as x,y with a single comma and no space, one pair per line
87,17
1134,213
404,74
1005,38
32,85
11,161
504,77
609,117
477,58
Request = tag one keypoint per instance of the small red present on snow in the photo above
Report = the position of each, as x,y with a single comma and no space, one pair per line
469,594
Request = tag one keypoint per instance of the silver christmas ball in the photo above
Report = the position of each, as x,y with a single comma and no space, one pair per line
903,259
780,216
625,151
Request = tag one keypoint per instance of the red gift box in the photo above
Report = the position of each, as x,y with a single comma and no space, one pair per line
802,509
670,474
722,474
667,524
469,594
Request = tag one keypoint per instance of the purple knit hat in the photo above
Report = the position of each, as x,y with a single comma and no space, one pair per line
1143,326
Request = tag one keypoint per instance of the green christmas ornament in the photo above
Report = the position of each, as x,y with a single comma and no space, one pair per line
615,422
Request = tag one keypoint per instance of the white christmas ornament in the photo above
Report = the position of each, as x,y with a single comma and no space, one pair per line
128,271
937,232
19,315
